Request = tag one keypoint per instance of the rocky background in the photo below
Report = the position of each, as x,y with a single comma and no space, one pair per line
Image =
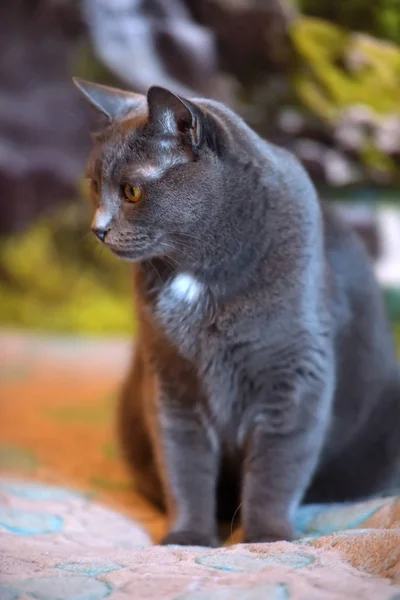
320,77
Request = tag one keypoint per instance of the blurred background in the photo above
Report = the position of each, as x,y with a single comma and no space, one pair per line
319,77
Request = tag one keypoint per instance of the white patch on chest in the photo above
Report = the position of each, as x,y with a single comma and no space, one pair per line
185,287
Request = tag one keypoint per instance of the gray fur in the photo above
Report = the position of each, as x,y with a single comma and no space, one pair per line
264,359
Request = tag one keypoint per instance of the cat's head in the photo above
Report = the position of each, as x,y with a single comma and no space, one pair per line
155,172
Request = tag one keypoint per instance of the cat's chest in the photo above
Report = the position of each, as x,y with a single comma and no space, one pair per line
160,287
178,308
182,291
180,316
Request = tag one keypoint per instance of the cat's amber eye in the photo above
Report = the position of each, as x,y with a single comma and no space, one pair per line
132,193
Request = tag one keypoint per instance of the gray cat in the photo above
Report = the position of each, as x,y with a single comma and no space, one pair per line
265,372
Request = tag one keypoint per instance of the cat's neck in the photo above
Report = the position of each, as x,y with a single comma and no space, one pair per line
157,271
224,278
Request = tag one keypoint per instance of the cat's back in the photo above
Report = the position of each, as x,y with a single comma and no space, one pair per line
364,346
353,284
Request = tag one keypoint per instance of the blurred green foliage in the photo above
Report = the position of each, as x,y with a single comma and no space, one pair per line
325,80
59,279
392,298
336,70
380,18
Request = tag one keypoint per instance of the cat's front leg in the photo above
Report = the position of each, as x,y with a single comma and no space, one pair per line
188,458
283,446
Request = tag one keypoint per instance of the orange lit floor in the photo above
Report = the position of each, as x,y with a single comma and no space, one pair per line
56,418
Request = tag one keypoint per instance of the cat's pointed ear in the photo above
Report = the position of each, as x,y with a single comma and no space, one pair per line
172,114
109,102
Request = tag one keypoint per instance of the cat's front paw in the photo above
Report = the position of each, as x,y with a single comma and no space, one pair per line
189,538
280,532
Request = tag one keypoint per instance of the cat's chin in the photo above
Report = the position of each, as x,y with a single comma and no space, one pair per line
127,255
131,255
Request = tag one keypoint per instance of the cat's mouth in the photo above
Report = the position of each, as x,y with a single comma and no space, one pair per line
133,255
142,250
122,253
127,254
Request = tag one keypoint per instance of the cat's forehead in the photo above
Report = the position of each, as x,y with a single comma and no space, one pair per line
124,139
132,151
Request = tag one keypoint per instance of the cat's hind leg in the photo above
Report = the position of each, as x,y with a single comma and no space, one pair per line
133,434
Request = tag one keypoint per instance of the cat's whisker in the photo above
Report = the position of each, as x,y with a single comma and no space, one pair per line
172,261
191,236
233,520
156,270
185,246
186,255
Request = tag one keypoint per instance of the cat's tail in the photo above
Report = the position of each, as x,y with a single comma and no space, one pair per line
391,436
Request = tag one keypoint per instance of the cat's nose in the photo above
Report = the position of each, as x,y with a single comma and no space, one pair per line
101,232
